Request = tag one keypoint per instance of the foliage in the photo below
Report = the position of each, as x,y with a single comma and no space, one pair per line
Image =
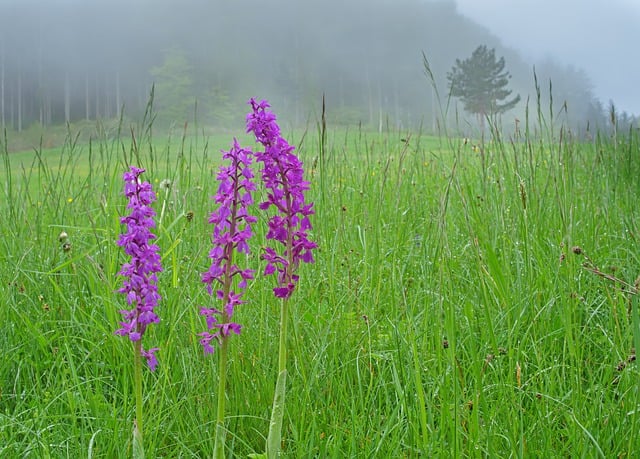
480,81
219,106
173,95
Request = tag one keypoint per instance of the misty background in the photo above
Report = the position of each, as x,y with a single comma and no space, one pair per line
73,60
599,36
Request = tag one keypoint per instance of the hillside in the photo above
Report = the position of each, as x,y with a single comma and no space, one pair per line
79,60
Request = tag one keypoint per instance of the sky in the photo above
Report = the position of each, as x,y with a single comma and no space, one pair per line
602,37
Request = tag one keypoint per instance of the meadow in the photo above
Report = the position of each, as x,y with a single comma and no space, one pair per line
468,299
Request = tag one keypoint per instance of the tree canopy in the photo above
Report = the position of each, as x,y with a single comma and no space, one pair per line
173,86
480,81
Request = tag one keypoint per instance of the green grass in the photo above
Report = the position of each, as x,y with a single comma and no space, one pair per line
446,313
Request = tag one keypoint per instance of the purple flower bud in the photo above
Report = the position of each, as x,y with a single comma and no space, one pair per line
140,280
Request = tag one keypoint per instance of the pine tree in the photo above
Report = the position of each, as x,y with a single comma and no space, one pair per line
481,83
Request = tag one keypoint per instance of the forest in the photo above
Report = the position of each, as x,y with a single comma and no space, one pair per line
67,60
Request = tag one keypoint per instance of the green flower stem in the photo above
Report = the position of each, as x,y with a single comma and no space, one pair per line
282,350
277,412
138,444
218,448
274,439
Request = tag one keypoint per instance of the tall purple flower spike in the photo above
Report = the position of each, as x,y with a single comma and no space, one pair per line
282,175
140,283
231,232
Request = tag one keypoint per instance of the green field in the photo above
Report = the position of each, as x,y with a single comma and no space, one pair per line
466,301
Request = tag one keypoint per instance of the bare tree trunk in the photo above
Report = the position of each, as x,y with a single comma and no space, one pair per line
396,104
13,109
379,107
370,95
42,99
19,97
67,98
2,115
97,88
107,99
48,112
87,103
434,113
118,98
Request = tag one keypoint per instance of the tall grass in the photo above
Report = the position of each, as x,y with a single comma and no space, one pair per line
446,315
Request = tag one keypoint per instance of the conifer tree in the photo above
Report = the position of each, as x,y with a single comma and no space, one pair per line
480,82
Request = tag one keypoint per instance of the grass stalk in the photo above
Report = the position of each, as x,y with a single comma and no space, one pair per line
220,429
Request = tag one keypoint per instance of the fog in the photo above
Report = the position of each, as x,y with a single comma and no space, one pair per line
599,36
73,60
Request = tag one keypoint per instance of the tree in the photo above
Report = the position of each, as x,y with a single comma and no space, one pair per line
481,83
174,95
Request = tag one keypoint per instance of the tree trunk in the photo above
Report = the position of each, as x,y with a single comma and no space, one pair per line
379,107
97,88
19,95
87,103
396,105
118,99
107,98
434,113
2,115
370,95
67,98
